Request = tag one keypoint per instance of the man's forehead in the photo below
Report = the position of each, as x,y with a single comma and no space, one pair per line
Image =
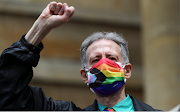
103,45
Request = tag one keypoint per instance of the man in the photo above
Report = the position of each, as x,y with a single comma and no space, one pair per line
104,60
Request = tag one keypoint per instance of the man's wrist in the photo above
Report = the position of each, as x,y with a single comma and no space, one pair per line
37,32
32,48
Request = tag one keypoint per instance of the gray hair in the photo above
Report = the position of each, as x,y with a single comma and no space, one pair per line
109,36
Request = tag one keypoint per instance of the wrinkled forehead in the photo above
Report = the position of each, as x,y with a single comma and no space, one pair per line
103,46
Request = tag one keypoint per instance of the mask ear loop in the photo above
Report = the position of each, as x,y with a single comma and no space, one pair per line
121,64
87,70
124,77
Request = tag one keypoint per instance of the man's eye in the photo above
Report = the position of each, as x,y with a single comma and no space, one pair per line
96,60
114,59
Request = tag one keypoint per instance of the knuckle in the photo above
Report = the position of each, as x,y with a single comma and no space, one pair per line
59,3
72,7
53,2
68,10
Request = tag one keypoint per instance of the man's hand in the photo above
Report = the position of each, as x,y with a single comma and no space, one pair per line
54,15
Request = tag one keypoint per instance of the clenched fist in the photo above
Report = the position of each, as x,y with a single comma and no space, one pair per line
54,15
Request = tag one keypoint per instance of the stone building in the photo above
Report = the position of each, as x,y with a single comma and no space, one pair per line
151,28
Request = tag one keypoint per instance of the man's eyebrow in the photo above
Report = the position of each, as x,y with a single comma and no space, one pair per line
111,54
114,55
96,56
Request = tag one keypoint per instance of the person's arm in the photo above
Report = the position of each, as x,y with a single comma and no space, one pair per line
16,62
54,15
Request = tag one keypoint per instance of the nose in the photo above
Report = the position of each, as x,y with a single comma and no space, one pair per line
103,56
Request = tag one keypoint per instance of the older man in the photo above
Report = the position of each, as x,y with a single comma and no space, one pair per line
105,68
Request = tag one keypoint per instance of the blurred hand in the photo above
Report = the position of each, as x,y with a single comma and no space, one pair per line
55,14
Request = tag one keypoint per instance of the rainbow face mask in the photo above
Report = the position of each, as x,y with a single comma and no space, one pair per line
106,77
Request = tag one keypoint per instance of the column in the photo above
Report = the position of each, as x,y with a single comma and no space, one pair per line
160,38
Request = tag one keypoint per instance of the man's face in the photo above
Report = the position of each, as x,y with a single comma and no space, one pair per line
103,49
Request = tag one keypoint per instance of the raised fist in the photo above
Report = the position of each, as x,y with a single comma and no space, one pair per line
55,14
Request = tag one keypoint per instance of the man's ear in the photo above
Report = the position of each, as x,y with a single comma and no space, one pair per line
127,71
84,75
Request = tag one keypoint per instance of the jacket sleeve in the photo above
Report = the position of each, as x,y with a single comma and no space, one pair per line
15,74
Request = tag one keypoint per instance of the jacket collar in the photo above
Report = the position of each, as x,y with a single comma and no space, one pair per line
140,106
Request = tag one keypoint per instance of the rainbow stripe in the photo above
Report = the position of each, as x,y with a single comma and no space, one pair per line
111,70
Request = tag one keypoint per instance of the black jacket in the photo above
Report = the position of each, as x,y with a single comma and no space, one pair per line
15,74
